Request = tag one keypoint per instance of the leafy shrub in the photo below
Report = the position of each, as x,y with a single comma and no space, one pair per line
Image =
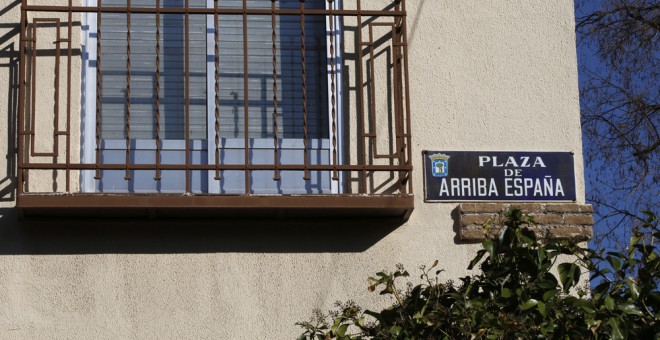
516,294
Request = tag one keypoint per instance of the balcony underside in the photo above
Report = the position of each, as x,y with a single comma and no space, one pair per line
244,206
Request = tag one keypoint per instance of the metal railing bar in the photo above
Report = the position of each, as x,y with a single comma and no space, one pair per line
33,70
187,94
335,175
246,99
398,110
56,111
21,101
276,176
235,167
127,117
360,82
408,134
216,39
68,97
372,92
234,11
373,134
32,132
158,146
303,62
99,22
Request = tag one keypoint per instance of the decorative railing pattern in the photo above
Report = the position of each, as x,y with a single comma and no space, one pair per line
366,101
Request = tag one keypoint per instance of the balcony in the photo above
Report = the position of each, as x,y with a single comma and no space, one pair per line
214,108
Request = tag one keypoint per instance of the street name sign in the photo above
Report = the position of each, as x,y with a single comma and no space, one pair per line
451,176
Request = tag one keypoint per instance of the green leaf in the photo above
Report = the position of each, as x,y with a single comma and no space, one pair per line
616,331
477,258
615,262
634,239
609,302
542,310
634,289
569,274
489,246
601,289
549,294
549,283
629,308
375,315
529,304
401,274
585,305
542,254
341,330
655,296
528,235
395,330
506,292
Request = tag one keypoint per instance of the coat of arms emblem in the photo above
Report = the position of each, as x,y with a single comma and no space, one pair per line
439,164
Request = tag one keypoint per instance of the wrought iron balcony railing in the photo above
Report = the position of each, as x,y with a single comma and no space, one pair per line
156,106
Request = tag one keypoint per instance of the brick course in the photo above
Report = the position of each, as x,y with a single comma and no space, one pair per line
553,221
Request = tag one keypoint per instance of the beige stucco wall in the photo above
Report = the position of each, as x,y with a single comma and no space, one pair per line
484,75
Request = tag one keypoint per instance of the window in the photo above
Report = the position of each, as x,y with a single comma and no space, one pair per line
170,83
212,107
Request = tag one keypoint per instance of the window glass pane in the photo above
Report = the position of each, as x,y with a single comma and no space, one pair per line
289,68
166,84
144,76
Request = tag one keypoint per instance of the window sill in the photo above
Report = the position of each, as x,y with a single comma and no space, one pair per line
207,206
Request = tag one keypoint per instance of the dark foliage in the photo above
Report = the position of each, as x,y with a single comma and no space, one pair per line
516,295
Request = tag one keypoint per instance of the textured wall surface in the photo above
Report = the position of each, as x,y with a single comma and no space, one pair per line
484,75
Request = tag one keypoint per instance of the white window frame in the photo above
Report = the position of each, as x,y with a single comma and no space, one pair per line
88,101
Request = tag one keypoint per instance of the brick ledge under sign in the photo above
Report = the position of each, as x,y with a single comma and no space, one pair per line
554,221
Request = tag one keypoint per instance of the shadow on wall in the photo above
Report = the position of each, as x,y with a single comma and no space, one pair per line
79,236
9,62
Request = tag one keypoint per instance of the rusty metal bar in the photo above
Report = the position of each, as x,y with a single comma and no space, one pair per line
289,167
33,70
21,102
33,116
127,126
99,22
246,98
408,132
333,132
158,146
187,95
372,92
304,91
216,38
373,133
33,83
68,97
56,111
360,83
234,11
276,161
398,110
